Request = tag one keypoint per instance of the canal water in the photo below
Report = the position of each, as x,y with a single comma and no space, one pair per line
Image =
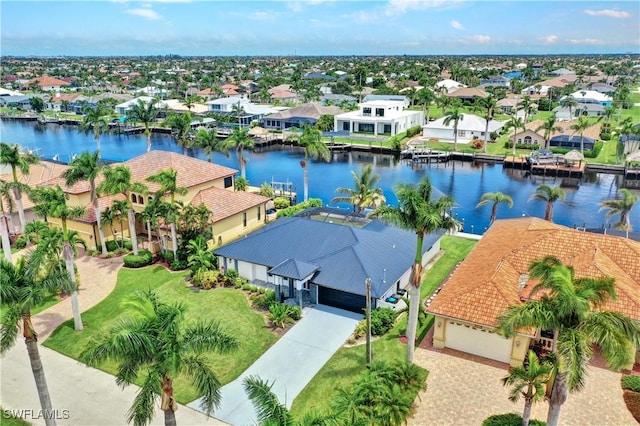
465,181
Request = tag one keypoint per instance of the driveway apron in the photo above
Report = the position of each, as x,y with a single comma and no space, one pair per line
290,363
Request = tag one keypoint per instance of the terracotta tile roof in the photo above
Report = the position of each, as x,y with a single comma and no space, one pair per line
46,80
592,132
38,174
224,203
103,202
487,281
468,92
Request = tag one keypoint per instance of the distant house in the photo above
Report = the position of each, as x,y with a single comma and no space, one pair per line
470,127
319,76
468,95
494,80
385,117
447,85
47,83
563,138
337,98
298,116
249,111
592,97
20,101
327,261
561,72
397,98
283,93
495,276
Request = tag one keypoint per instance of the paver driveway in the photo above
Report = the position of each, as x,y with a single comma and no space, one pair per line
291,362
465,390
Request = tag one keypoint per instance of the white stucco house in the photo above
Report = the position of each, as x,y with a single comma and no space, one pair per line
592,97
470,127
382,117
447,85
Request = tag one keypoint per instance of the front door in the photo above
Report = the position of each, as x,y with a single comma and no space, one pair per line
292,289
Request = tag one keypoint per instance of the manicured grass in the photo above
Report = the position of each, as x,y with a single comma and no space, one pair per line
6,419
228,306
348,362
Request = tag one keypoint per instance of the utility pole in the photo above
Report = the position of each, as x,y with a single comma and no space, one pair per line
368,284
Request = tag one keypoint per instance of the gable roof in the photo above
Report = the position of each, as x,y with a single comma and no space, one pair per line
345,256
468,92
487,281
310,110
224,203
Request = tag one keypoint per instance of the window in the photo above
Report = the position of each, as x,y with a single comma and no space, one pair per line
462,133
379,112
134,199
366,111
387,128
228,182
365,127
345,126
527,140
259,212
244,219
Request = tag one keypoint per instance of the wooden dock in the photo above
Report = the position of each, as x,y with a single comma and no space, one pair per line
565,169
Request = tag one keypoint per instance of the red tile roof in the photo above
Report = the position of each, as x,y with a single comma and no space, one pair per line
46,80
487,281
225,203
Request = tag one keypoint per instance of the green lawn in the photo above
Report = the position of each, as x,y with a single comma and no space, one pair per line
348,362
229,306
6,419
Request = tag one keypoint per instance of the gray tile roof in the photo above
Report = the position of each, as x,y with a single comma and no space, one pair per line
345,255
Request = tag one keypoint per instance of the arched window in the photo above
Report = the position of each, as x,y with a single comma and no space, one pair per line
134,199
527,140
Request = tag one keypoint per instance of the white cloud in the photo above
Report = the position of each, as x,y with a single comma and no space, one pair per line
592,41
362,17
263,15
399,7
607,12
457,25
552,38
480,38
150,14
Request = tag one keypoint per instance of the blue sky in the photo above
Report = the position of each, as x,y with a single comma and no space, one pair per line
318,27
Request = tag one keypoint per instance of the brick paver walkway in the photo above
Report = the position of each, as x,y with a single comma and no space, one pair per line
464,390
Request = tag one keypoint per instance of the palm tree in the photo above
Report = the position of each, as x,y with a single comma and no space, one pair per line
579,127
529,382
208,141
569,102
87,167
155,345
115,213
548,194
180,125
364,194
311,141
574,308
59,209
620,206
495,198
268,409
527,106
168,181
240,140
489,105
118,181
549,126
5,200
454,116
95,120
514,123
11,156
23,287
237,109
417,212
145,113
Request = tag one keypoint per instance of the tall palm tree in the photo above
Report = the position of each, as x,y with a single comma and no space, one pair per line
574,308
550,127
180,125
208,141
117,180
156,345
11,156
168,181
311,141
514,123
417,211
489,105
569,102
528,382
145,113
87,167
59,209
240,140
237,109
5,200
495,198
620,206
527,106
95,120
548,194
579,127
454,116
364,194
23,287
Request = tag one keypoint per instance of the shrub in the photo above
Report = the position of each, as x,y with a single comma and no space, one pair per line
253,289
143,258
167,256
631,382
412,131
207,279
510,419
246,286
21,242
597,147
509,144
179,265
605,136
281,203
361,329
294,210
113,245
231,274
477,144
279,315
241,184
266,190
263,301
382,320
295,312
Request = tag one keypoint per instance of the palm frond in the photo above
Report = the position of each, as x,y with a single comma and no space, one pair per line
208,336
615,335
574,352
9,327
205,381
143,407
266,403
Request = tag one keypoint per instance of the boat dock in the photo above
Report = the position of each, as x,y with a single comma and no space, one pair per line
557,169
423,154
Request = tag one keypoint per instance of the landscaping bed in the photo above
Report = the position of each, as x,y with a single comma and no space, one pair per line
631,394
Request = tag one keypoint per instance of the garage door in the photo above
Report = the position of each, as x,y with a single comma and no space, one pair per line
341,299
478,342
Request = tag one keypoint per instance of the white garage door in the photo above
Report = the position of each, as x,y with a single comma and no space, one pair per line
478,342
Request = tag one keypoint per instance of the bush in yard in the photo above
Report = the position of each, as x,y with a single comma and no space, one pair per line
294,210
113,245
21,242
265,300
167,256
281,203
231,274
279,315
361,329
295,313
143,258
510,419
207,279
382,320
246,287
179,265
631,382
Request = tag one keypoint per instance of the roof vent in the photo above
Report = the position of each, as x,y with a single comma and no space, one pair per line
522,281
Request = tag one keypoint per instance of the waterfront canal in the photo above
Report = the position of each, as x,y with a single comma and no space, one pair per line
465,181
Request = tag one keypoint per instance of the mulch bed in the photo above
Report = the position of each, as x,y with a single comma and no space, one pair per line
632,399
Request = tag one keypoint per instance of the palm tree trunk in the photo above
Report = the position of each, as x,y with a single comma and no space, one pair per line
98,146
414,309
306,180
486,135
243,171
149,233
548,214
18,196
557,398
526,414
132,230
6,243
168,402
38,370
103,243
494,213
174,240
170,418
75,304
148,134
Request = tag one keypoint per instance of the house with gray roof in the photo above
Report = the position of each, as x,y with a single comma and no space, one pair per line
324,255
298,116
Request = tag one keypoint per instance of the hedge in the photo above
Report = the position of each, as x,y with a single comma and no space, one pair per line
631,382
510,419
593,153
532,147
113,245
294,210
144,258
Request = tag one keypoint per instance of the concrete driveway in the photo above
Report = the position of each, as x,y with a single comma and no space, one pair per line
291,362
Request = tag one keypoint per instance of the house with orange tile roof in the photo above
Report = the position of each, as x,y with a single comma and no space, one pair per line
494,276
233,213
47,83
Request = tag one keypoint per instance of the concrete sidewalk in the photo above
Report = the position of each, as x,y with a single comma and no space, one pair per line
291,362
